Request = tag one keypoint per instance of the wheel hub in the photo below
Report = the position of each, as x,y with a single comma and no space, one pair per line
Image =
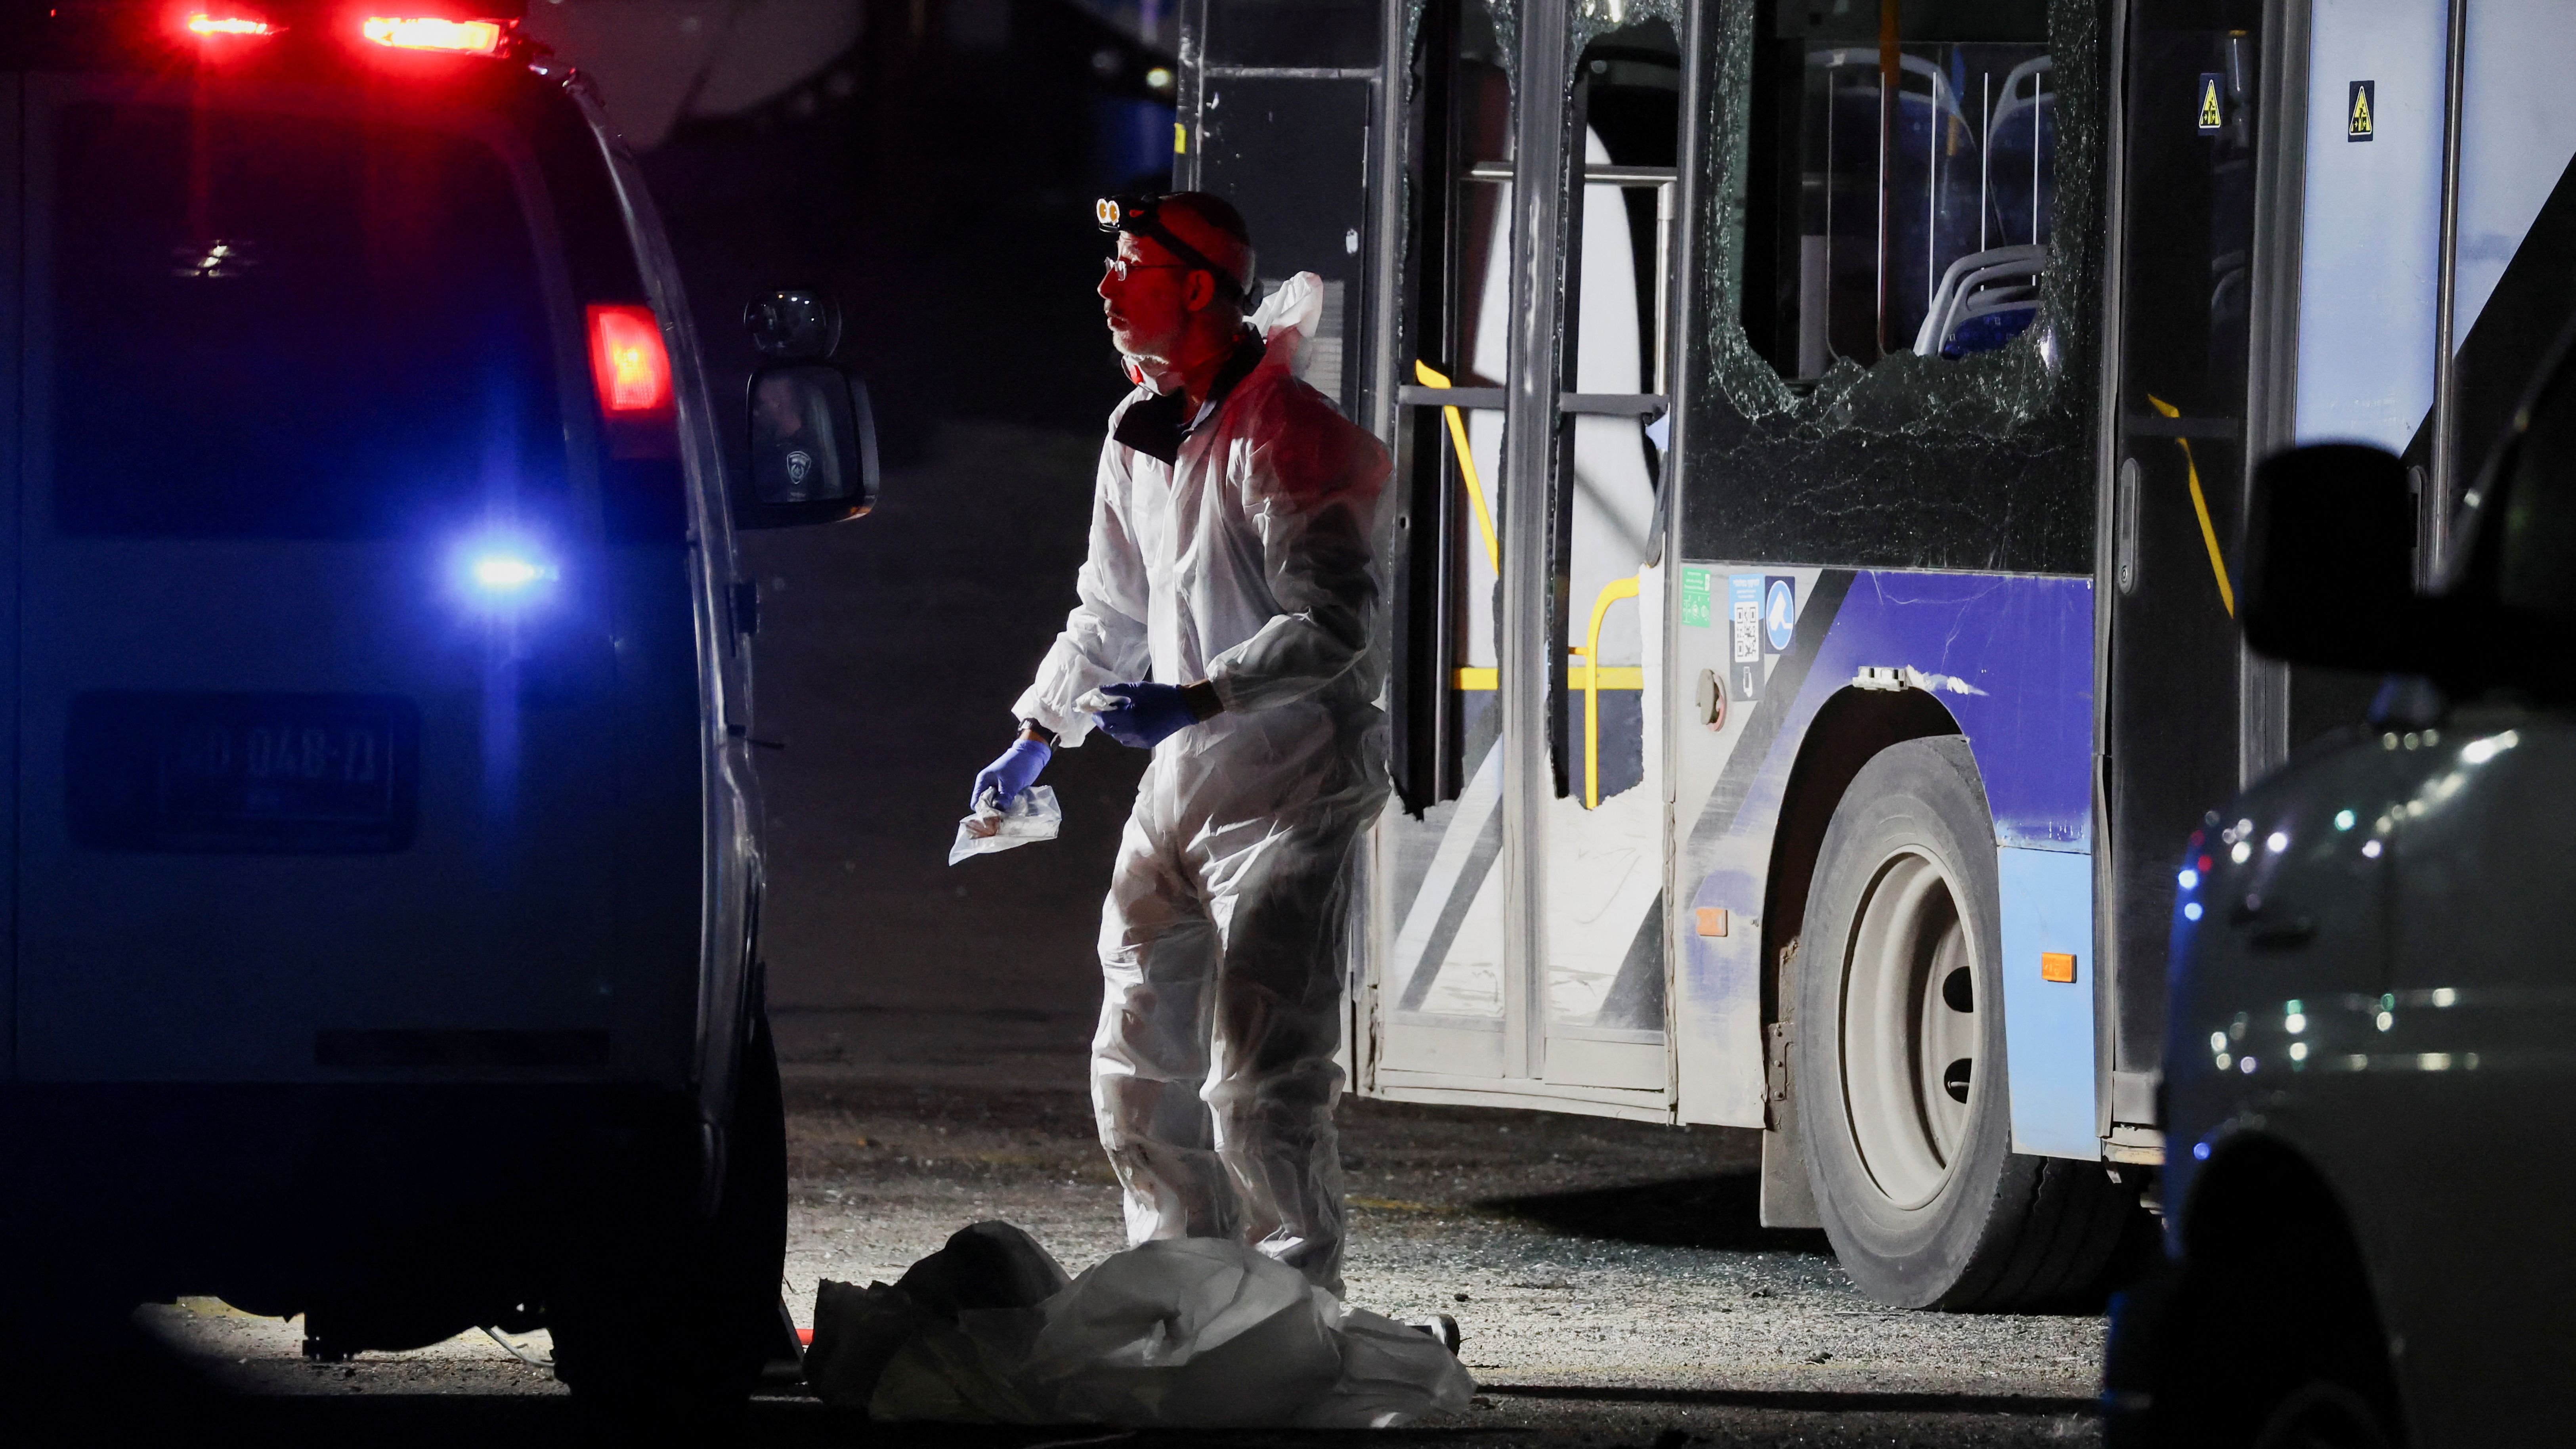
1909,1030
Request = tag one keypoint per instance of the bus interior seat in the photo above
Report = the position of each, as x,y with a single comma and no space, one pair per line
1992,283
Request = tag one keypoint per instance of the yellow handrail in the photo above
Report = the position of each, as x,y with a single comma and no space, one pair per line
2200,505
1594,677
1466,467
1611,593
1485,678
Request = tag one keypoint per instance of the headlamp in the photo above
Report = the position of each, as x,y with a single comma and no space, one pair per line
1134,214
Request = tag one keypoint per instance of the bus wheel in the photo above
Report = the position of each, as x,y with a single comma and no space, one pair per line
1899,1063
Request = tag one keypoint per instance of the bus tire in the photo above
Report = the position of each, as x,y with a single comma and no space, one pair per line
1904,1112
687,1318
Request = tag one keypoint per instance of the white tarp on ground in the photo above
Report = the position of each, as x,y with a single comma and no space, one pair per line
1188,1332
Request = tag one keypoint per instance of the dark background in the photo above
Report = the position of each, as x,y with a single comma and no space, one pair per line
936,176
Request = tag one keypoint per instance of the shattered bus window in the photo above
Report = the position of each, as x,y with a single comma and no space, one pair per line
1906,216
1843,376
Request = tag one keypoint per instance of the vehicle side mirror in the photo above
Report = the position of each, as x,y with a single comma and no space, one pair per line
2328,571
813,434
813,448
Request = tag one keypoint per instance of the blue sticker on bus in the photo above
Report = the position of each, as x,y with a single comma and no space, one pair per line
1779,613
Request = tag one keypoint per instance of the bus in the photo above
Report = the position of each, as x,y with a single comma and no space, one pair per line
1821,433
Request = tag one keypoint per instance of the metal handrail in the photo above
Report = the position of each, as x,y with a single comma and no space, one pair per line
1596,173
1611,593
1466,467
1593,675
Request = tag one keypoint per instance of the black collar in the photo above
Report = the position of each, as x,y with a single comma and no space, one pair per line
1155,427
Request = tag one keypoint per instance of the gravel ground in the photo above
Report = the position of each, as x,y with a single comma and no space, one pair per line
1609,1276
1611,1280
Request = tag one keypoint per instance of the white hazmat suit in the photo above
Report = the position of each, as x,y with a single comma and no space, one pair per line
1248,558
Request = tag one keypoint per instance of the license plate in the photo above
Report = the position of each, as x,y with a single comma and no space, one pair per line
243,773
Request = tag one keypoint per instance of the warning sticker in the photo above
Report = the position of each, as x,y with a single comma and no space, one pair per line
1744,610
2213,119
1695,609
1744,615
2360,112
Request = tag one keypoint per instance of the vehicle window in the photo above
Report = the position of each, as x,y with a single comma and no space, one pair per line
1329,34
1903,194
271,325
1460,285
1627,91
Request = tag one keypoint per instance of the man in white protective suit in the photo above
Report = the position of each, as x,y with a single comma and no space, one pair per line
1225,622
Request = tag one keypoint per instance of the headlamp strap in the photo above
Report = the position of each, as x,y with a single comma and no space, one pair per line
1138,217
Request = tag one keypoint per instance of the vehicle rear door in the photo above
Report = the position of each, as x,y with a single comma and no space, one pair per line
314,745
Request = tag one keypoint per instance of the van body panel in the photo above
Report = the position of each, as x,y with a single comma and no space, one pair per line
223,960
551,879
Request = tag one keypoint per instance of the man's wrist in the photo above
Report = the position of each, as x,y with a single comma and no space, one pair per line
1202,700
1031,730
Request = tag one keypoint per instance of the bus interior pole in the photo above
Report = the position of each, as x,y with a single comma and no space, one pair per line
1888,73
2441,489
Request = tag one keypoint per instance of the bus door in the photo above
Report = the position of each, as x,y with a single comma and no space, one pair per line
1602,854
1449,1006
2427,208
305,794
1276,118
2185,298
2419,206
1520,936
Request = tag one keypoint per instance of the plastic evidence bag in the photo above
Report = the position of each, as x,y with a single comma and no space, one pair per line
1033,816
1173,1333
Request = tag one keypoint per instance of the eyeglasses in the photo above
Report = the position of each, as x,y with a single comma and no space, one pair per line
1134,215
1119,267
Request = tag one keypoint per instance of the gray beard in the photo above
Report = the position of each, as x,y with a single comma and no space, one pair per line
1158,372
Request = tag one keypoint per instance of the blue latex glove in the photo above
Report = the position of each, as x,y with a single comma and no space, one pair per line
1015,771
1153,714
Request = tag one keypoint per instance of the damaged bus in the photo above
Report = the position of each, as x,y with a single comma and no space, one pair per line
1822,430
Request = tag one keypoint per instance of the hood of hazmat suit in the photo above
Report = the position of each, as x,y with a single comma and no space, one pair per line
1241,547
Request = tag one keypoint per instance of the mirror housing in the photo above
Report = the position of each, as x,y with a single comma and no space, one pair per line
813,448
2329,562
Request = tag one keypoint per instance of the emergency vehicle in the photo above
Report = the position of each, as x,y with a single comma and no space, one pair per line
1822,431
384,884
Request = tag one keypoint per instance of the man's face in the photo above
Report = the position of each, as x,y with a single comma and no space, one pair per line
1148,310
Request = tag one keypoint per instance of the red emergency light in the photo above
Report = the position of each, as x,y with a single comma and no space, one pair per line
452,37
628,361
206,25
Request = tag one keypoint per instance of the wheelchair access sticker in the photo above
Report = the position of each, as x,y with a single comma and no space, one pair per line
1779,614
